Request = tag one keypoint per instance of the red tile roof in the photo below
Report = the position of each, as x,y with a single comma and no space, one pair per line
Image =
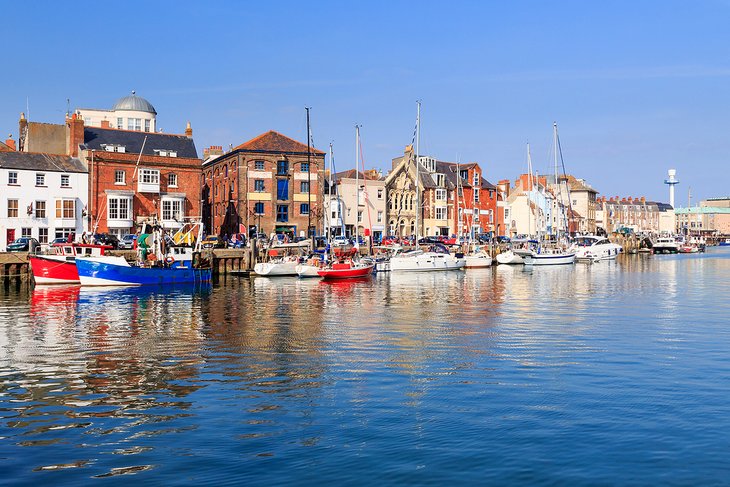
273,141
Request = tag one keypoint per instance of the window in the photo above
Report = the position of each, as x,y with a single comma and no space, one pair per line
380,194
441,213
150,176
64,232
172,209
258,185
304,209
40,209
304,188
43,235
460,191
259,165
282,189
304,167
65,208
120,123
12,208
40,179
440,180
476,214
440,194
380,217
476,195
282,167
359,216
477,179
118,208
146,124
172,180
282,213
134,124
65,181
258,208
119,177
464,174
12,177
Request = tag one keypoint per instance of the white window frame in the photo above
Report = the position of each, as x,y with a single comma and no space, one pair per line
441,195
13,177
172,180
117,179
115,210
37,209
172,209
65,178
40,179
441,213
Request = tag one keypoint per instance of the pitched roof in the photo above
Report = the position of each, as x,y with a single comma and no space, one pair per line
5,147
350,174
33,161
273,141
96,137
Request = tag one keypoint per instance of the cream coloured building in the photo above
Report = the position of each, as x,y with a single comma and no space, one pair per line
128,113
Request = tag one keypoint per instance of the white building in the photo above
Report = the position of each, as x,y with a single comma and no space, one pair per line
41,196
128,113
361,212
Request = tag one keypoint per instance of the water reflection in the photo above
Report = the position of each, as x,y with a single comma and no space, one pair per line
467,375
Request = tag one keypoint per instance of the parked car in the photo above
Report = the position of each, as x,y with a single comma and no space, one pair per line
428,240
389,240
59,240
106,239
213,242
127,241
340,241
24,244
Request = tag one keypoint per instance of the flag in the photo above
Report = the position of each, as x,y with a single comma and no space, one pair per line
30,209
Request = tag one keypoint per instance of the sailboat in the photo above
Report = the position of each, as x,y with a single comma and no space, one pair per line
521,247
477,256
437,258
553,255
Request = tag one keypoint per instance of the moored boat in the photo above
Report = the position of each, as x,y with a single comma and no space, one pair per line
594,248
94,272
665,245
347,270
549,257
59,267
478,258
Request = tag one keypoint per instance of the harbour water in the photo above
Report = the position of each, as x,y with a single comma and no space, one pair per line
606,373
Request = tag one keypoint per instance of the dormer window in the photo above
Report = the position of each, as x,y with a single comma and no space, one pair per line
114,148
440,179
464,173
165,153
477,179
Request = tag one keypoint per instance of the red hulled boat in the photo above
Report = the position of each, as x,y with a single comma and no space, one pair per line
59,267
346,270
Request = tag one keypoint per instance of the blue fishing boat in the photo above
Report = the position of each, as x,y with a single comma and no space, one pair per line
157,263
99,273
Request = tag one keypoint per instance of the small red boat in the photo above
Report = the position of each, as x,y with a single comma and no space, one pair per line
346,270
59,267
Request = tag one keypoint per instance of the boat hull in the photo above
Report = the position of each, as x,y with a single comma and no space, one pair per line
426,262
350,273
104,273
308,270
53,269
550,259
477,261
276,268
509,258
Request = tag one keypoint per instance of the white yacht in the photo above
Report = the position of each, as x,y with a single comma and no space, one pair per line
549,256
284,266
437,258
665,245
594,248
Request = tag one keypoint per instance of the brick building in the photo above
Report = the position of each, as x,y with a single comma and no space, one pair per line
455,198
269,184
133,175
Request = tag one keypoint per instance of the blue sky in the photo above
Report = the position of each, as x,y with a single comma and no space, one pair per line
637,87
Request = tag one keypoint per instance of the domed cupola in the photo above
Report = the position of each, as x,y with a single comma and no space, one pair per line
134,103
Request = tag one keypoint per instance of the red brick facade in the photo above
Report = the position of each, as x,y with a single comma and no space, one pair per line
241,189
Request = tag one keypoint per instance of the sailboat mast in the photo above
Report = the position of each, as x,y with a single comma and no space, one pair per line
418,171
309,179
357,184
529,194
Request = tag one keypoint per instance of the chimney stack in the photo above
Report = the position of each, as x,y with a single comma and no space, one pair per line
74,135
10,142
189,131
